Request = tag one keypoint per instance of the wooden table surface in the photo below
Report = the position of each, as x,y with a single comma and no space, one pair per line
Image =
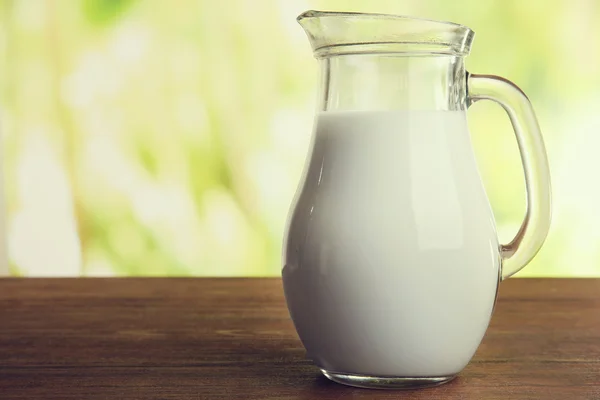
232,338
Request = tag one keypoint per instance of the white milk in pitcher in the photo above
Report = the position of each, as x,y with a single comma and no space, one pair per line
392,260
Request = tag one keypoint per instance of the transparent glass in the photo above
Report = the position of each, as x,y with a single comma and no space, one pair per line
391,257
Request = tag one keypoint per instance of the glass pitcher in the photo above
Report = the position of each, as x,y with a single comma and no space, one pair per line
391,257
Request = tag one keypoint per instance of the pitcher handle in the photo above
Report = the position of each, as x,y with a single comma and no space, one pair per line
535,227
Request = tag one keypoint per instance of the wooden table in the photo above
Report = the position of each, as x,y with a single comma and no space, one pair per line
232,338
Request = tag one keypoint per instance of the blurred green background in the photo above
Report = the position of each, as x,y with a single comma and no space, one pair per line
167,138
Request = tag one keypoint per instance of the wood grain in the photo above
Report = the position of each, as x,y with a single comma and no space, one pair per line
233,339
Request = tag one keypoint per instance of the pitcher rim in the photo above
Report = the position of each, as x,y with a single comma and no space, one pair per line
319,14
429,35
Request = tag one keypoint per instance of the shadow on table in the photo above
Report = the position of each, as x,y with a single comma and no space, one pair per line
288,374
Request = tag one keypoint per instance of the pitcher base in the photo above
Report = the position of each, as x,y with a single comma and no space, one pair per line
386,382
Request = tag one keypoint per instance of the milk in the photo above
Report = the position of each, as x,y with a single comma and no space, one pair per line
391,260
